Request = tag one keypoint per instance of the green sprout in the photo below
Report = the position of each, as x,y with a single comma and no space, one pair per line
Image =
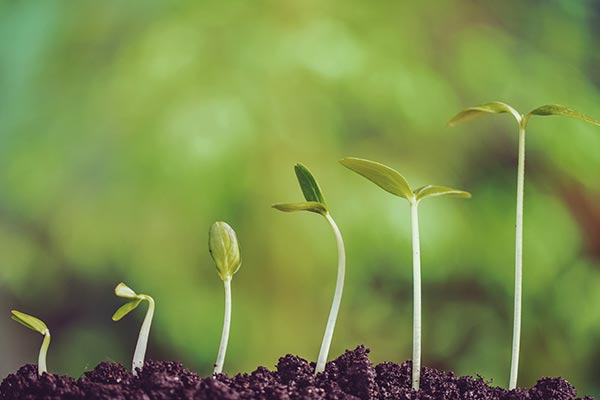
39,326
391,181
124,291
522,120
225,251
316,203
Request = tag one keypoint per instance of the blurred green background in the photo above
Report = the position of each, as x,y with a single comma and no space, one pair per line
127,128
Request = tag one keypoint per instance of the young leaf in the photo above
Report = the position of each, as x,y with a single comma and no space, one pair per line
311,206
29,321
308,184
383,176
124,291
224,249
555,109
126,309
434,191
494,107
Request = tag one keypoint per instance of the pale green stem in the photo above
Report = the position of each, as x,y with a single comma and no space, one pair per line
337,298
226,325
514,367
142,342
43,351
416,358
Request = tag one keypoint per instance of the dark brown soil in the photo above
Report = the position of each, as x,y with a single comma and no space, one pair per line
349,377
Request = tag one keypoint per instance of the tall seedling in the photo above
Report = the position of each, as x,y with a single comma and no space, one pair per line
522,120
316,203
391,181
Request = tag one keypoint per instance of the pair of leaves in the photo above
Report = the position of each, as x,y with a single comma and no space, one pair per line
224,249
124,291
393,182
29,321
315,202
499,108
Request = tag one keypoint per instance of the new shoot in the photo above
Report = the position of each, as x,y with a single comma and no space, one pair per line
316,203
225,251
391,181
122,290
522,120
39,326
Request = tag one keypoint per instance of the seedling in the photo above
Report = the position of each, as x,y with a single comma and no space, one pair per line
522,120
39,326
391,181
316,203
122,290
225,251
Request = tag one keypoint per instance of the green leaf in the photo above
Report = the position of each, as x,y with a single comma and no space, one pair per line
122,290
555,109
494,107
224,249
29,321
383,176
311,206
308,184
126,309
434,191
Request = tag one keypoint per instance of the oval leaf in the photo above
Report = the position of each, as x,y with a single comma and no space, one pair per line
308,184
383,176
434,191
555,109
494,107
224,249
29,321
126,309
122,290
311,206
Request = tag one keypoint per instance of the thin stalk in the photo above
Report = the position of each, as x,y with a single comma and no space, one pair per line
337,298
514,367
43,351
142,342
226,325
416,358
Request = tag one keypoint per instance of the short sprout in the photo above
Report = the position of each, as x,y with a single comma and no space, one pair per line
123,291
39,326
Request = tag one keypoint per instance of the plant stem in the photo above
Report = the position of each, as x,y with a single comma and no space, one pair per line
226,325
337,298
142,342
416,358
514,367
43,351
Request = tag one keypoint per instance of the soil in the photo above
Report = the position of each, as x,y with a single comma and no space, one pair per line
350,377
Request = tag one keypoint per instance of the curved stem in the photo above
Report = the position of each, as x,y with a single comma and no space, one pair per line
514,367
142,342
43,351
416,358
337,298
226,325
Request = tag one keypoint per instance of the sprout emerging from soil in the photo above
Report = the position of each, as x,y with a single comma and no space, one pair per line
316,203
225,251
391,181
122,290
522,120
39,326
